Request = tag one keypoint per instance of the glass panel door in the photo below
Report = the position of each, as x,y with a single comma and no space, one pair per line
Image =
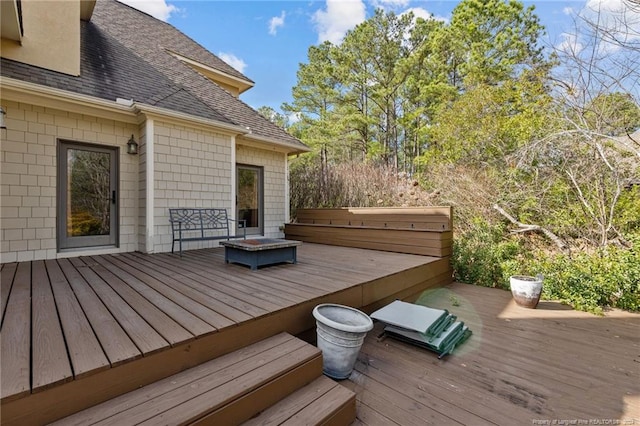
87,196
249,198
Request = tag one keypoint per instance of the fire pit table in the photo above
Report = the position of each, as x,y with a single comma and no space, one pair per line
260,252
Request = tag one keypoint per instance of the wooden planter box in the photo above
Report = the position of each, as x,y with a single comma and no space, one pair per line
419,230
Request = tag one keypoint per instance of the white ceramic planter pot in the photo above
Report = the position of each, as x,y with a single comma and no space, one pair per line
526,290
341,332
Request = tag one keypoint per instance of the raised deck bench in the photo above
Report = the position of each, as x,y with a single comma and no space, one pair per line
415,230
227,390
201,224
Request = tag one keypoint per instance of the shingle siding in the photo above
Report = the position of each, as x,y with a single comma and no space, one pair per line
274,181
192,168
29,177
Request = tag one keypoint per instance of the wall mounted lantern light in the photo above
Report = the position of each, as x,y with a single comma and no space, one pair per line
2,114
132,146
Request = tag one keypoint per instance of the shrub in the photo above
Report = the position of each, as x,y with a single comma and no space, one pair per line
588,281
352,184
608,277
628,210
480,254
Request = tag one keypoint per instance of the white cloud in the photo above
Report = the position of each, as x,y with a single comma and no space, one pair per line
294,117
233,60
568,11
276,22
419,12
570,44
157,8
615,6
616,19
339,17
384,4
612,13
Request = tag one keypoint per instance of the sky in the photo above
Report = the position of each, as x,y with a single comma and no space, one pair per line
267,40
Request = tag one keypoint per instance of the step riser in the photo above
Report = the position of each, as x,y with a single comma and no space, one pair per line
251,404
345,416
227,390
321,402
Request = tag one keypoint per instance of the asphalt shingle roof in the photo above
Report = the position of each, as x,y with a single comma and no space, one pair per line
125,53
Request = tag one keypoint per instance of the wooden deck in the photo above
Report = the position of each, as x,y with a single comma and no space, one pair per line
79,331
520,367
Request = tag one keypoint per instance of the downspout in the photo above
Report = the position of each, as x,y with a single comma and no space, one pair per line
150,186
287,191
233,196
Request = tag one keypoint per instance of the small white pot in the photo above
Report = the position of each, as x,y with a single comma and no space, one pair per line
526,290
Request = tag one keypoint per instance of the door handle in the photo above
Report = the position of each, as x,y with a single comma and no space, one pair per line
113,197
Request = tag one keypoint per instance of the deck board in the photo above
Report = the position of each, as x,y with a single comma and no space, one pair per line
48,349
130,319
260,301
184,320
137,407
134,292
146,339
295,402
6,280
274,287
181,268
431,391
116,343
223,388
241,282
328,281
519,365
204,389
15,345
320,412
190,314
85,351
206,307
182,402
401,408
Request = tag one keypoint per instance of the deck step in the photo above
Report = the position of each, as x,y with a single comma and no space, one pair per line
227,390
321,402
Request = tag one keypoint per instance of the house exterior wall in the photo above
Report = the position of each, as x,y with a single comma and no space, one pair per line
28,156
51,37
275,184
192,168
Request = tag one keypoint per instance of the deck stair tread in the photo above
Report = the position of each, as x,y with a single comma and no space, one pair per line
226,390
321,402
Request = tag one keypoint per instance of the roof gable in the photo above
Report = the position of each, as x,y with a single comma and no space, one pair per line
157,42
232,84
141,65
109,71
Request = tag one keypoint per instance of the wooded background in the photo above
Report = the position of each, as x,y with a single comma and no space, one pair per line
537,147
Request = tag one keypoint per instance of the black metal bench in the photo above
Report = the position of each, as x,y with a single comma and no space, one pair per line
201,224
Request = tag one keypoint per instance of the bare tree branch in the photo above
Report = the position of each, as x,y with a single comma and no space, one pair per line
528,228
